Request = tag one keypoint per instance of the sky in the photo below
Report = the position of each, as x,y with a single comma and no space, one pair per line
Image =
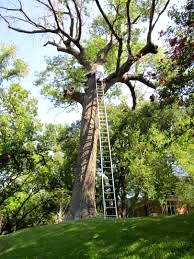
30,49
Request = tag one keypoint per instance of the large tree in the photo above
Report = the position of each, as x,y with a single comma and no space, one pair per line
117,34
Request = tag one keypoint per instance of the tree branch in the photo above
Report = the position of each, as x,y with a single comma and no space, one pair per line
38,28
133,94
136,19
107,21
46,5
140,78
102,53
129,27
71,94
120,50
55,16
79,23
71,27
33,31
152,10
80,56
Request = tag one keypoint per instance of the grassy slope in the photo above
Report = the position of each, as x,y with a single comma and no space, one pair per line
168,237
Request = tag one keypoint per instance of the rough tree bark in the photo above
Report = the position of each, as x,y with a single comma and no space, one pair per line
83,198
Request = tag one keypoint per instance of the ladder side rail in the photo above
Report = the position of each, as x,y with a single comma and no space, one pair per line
108,136
101,156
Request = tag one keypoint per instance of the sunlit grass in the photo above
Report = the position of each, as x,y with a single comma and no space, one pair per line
165,237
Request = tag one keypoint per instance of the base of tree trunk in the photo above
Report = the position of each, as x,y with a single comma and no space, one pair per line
83,214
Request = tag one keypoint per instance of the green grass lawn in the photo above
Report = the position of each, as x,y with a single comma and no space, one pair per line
163,237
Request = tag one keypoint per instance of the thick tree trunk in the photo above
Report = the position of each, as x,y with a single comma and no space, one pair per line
83,197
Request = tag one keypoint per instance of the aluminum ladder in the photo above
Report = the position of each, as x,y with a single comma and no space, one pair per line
108,187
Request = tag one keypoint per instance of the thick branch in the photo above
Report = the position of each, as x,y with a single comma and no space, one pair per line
148,48
120,50
129,26
140,78
132,90
102,53
71,94
79,23
71,27
70,50
152,10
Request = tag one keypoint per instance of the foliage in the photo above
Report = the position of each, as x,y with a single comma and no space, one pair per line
61,73
146,145
32,190
10,66
165,237
176,72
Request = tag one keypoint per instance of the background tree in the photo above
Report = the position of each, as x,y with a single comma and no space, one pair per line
31,158
31,161
147,144
176,72
112,36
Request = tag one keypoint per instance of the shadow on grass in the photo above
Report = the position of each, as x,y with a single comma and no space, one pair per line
169,237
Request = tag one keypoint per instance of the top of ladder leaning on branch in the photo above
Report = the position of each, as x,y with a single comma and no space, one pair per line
108,187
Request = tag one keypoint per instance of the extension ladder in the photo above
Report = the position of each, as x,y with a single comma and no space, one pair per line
108,187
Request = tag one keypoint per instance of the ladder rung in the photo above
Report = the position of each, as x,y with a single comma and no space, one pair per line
105,158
